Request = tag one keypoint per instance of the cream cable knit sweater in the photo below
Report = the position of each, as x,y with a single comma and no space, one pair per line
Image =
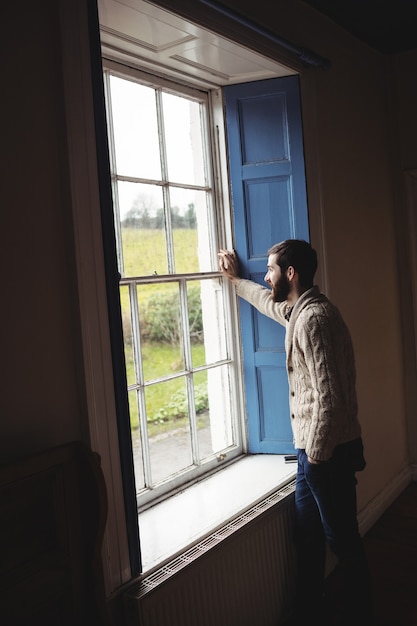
320,367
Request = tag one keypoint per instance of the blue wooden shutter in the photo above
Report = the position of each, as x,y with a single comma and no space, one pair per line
265,144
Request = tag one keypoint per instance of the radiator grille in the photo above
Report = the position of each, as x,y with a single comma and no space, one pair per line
241,574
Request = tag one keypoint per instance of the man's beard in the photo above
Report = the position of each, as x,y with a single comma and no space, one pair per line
281,289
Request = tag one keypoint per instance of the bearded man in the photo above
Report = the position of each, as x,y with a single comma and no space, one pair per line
324,418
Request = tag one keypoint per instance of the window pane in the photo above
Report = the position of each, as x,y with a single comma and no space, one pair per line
219,408
195,323
127,335
169,430
211,327
136,441
135,129
161,330
203,414
212,398
191,232
143,229
183,140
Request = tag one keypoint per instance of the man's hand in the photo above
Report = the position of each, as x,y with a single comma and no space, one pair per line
229,265
313,461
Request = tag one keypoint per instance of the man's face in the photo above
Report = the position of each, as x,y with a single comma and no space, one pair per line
278,281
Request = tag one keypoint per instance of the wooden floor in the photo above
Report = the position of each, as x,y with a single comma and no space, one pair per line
391,546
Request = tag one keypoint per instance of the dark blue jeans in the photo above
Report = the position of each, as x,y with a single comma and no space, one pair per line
325,512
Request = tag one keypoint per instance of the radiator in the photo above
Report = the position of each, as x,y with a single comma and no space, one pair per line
240,575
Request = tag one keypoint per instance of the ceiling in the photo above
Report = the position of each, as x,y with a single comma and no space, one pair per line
389,27
142,35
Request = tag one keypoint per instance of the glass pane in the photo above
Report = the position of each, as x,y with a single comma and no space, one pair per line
202,414
191,233
161,334
136,441
195,323
168,427
184,146
135,129
143,229
127,334
207,327
212,398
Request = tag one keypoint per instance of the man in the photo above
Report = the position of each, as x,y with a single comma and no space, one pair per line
324,419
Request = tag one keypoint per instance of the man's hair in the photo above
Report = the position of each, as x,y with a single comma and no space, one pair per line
300,255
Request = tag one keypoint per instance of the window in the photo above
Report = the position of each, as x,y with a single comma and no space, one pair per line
140,35
177,321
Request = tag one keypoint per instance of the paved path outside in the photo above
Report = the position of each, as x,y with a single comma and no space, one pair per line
170,452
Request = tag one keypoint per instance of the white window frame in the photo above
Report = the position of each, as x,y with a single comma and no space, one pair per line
220,237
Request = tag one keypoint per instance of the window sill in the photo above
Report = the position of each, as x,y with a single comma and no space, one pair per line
178,522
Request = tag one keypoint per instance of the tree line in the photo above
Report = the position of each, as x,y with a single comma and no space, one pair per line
140,217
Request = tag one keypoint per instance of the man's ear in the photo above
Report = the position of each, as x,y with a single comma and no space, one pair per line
291,272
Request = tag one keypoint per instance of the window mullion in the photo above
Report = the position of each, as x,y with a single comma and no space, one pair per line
188,368
193,420
211,162
165,189
140,389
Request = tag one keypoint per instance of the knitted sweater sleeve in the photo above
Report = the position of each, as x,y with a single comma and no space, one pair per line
260,298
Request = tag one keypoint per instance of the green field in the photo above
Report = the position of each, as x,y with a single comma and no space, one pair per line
144,251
